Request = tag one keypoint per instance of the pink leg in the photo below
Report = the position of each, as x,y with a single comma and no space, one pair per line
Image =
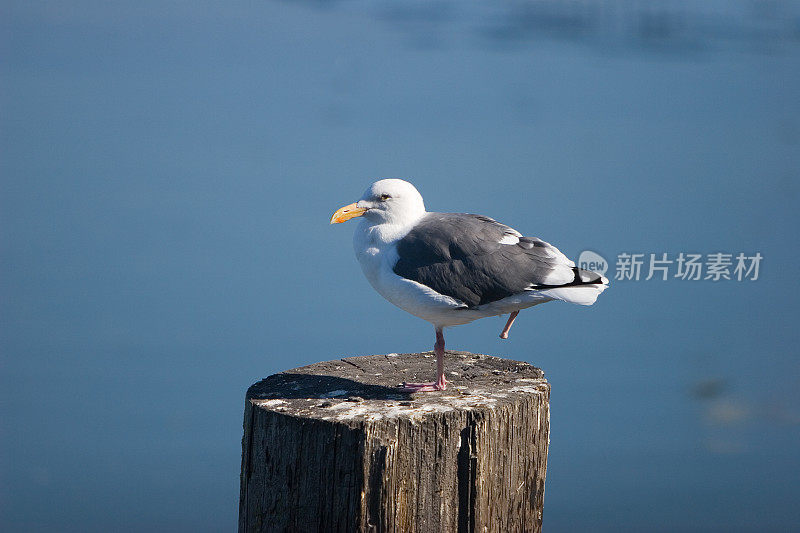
441,382
504,333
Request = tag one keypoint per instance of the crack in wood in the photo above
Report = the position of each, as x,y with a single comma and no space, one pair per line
351,363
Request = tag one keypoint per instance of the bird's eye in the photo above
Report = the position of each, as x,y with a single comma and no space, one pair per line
384,197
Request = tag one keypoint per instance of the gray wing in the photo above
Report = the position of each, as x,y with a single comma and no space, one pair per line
478,260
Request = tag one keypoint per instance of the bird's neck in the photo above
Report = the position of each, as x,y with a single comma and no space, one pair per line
387,232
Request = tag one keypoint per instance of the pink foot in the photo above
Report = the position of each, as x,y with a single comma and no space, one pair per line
431,386
441,381
419,387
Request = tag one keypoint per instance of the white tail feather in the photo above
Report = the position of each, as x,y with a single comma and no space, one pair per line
577,294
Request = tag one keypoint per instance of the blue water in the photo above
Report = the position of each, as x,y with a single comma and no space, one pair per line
168,171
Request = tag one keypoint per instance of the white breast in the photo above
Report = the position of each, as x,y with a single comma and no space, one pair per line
376,250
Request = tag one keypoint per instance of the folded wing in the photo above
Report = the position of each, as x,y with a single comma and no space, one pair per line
478,260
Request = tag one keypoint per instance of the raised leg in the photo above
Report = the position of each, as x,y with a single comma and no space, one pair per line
504,333
441,381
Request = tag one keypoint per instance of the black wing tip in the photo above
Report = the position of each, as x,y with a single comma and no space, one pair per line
593,279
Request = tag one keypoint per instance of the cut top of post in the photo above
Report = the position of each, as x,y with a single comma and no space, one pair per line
354,390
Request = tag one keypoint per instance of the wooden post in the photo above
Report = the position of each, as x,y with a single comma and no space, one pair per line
335,446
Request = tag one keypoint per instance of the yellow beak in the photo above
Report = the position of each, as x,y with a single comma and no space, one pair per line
347,212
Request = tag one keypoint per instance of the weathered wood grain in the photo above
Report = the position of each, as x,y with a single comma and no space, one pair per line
335,446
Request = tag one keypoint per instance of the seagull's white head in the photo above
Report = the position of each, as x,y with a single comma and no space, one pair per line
391,200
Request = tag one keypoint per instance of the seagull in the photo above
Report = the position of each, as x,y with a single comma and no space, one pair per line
453,268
